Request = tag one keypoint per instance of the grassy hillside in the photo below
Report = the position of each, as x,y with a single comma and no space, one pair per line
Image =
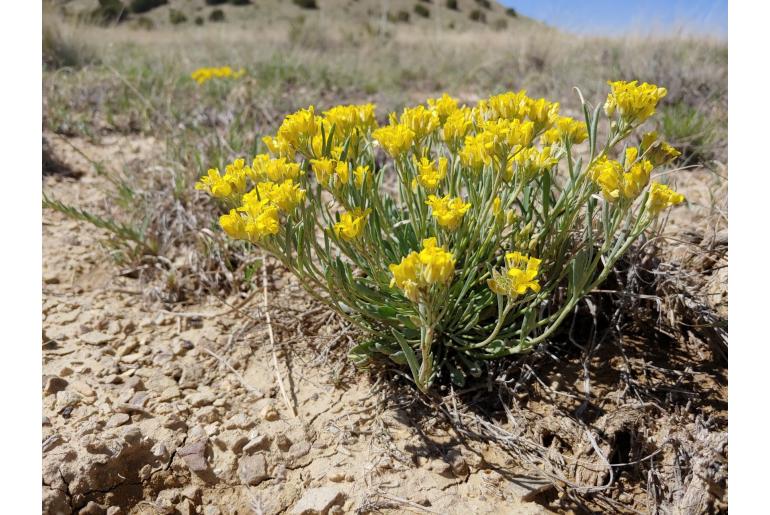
436,14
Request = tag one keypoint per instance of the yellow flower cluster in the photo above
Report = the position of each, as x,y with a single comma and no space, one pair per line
265,168
349,118
543,113
417,271
565,129
339,131
444,107
658,152
334,173
632,101
228,186
622,182
420,120
507,106
448,211
662,197
258,213
530,161
351,224
285,195
396,139
428,175
456,127
202,75
497,139
295,133
441,150
518,277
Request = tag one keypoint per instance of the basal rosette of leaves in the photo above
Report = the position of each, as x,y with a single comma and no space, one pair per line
504,215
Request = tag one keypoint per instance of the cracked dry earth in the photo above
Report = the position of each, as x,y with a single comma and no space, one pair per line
147,411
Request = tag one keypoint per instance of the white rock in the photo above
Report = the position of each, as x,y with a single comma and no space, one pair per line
319,500
252,470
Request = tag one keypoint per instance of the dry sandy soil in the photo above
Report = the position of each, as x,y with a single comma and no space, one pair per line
148,410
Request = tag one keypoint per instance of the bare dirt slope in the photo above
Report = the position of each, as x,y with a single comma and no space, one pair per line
147,411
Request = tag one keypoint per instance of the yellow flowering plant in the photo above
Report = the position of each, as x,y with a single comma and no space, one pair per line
502,217
203,75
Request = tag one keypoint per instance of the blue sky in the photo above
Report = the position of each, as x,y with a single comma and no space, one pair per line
623,16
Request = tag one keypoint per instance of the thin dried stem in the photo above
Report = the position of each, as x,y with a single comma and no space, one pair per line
276,368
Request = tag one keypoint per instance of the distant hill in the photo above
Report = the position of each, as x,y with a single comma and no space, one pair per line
445,14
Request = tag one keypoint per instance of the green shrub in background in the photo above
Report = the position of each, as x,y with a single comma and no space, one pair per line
398,17
176,17
306,4
690,131
144,23
109,11
421,10
217,15
477,15
143,6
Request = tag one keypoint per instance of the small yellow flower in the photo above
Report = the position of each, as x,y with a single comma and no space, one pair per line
443,106
617,181
214,184
362,176
496,207
658,152
279,147
342,172
565,129
405,275
529,162
298,129
636,177
231,184
456,127
475,153
632,101
261,217
662,197
508,106
520,133
346,119
447,210
275,170
286,195
428,175
420,120
324,169
395,139
496,140
233,224
417,271
438,264
518,277
543,113
351,224
202,75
